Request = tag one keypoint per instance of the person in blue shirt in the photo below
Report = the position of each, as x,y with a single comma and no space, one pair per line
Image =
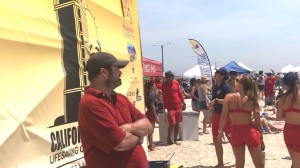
219,91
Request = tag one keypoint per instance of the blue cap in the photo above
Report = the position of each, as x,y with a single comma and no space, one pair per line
290,79
223,71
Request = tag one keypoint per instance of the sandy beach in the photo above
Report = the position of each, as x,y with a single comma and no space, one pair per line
201,154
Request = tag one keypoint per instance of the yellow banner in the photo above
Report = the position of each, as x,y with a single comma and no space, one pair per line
44,47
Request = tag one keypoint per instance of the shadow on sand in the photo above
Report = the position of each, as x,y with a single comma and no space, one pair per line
159,143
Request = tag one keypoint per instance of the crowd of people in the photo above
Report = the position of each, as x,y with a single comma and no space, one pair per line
112,127
234,111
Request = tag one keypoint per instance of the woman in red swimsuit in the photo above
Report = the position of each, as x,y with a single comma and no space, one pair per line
289,108
241,106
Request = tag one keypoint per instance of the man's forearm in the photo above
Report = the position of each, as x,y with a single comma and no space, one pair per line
128,142
140,128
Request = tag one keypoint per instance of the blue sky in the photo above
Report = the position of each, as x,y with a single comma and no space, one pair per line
263,34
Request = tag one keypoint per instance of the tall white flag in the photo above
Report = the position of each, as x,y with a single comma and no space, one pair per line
203,60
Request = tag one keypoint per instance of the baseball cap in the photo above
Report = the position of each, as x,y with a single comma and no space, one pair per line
223,71
169,73
103,60
290,79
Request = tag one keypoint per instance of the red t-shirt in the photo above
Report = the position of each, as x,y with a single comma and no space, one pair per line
172,95
269,86
99,120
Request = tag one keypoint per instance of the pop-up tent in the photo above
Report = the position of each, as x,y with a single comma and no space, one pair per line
233,66
245,67
194,72
289,68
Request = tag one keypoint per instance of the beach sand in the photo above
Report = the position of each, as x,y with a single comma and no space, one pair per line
201,153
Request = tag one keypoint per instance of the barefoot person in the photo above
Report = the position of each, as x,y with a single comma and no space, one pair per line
240,106
204,102
174,103
220,89
152,106
289,108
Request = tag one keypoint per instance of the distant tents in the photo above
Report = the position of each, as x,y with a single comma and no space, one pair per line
289,68
240,68
194,72
233,66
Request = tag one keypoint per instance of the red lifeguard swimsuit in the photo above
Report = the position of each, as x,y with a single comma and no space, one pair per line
291,132
244,134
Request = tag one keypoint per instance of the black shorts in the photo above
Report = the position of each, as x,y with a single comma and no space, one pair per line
260,87
203,105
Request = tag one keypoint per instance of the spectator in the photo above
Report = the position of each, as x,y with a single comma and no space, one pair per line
194,95
269,89
110,126
231,81
289,108
174,103
152,106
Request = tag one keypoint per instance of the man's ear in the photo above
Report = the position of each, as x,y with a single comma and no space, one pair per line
103,71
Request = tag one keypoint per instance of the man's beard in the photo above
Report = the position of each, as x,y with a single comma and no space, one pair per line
113,82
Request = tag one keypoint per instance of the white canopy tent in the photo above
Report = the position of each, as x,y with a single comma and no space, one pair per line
297,69
289,68
194,72
244,66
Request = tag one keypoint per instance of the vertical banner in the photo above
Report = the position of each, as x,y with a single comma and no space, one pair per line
44,48
203,61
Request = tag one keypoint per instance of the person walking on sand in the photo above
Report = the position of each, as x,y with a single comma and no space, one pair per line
220,89
289,108
204,102
152,106
241,106
174,103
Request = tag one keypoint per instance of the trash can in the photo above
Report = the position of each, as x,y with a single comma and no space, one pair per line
163,127
189,129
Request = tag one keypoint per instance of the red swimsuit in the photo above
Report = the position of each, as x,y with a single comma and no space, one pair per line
292,132
245,133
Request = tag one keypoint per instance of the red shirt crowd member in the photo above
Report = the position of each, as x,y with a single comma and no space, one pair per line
289,108
174,103
241,106
269,88
110,126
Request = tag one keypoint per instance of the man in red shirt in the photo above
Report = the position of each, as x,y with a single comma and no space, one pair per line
174,103
110,126
269,89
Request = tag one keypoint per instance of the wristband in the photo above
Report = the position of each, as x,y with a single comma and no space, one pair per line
219,131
